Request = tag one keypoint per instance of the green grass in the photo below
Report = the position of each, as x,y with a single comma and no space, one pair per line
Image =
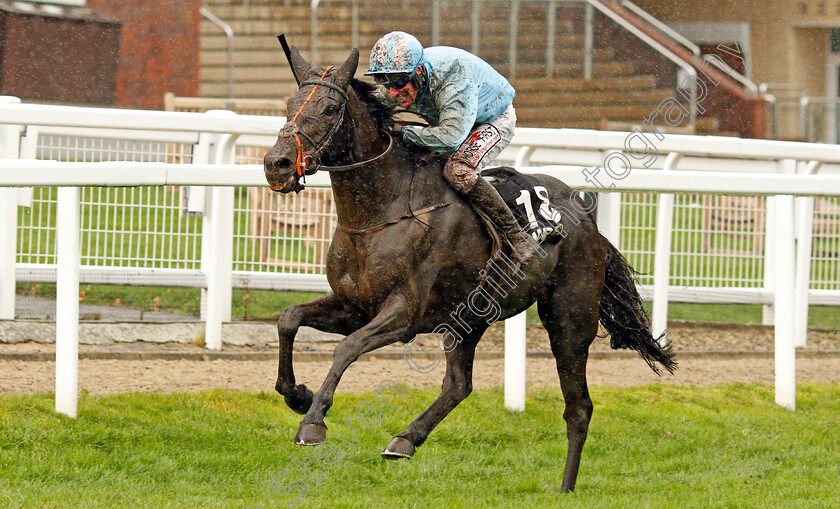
267,305
654,446
826,317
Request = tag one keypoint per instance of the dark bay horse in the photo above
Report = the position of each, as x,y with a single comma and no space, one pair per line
408,251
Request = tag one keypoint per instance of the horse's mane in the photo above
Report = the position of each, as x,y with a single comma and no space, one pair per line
381,112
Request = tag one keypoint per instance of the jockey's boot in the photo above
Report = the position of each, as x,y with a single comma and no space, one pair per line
483,196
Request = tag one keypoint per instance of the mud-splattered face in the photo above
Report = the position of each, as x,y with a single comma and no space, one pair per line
405,95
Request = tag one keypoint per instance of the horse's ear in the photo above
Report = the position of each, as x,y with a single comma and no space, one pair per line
300,67
348,69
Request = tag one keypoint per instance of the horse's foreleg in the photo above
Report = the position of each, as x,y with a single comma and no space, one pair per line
457,385
391,324
326,314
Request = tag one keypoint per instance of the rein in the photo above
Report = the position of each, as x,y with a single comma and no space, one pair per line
305,166
360,164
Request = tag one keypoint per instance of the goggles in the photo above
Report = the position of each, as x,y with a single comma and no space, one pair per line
392,80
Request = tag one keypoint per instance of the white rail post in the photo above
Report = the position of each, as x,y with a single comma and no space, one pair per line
515,333
201,155
220,258
515,350
9,149
609,216
767,310
219,279
67,301
662,254
804,238
784,295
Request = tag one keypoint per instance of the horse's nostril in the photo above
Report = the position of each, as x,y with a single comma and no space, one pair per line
277,163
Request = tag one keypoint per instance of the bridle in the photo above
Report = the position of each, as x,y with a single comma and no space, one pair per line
304,164
307,164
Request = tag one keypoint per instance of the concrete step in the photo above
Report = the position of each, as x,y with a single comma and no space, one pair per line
566,69
246,90
623,97
555,123
583,113
271,58
456,34
494,21
268,41
243,74
615,92
492,18
300,13
499,54
272,27
461,38
637,82
251,45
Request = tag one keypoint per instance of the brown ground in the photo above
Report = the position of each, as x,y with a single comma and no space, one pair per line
708,354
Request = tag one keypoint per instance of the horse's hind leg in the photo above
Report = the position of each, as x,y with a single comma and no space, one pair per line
457,385
326,314
572,324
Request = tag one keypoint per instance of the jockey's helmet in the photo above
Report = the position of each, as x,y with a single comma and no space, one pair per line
395,53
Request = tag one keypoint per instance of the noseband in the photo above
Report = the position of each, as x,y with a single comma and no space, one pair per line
304,162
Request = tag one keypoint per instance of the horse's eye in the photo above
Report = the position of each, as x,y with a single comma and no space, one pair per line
331,110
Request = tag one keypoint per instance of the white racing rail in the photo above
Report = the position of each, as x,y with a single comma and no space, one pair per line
591,160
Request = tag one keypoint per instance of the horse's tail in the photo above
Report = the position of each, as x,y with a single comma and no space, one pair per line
623,315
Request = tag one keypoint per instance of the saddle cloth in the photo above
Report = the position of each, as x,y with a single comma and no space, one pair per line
529,201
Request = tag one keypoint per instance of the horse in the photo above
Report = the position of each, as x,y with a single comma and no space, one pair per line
408,251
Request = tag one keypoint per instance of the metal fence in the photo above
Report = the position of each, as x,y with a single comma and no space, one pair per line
153,227
731,174
718,241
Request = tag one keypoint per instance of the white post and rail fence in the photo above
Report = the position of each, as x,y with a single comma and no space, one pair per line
791,173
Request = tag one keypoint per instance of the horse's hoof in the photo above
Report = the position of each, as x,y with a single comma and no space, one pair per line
300,399
398,448
310,433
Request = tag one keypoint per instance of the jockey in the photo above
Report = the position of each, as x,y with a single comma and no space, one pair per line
468,105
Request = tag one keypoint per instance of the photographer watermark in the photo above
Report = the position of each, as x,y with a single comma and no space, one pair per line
500,275
641,146
297,479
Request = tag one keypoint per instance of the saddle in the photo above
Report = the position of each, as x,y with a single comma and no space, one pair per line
529,201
